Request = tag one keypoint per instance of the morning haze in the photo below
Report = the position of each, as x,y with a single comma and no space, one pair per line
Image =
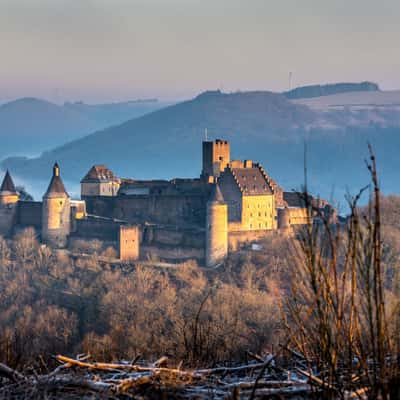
115,50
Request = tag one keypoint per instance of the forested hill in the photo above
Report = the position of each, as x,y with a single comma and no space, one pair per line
168,142
263,126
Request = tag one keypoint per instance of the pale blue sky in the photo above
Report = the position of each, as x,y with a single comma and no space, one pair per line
102,50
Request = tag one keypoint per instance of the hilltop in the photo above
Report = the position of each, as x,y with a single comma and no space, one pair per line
311,91
264,126
167,142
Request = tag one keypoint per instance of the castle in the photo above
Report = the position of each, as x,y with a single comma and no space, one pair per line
231,203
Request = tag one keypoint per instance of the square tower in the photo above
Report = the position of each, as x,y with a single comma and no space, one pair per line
216,157
128,242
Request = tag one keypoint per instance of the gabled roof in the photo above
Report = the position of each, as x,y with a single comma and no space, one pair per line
98,173
56,187
8,184
252,181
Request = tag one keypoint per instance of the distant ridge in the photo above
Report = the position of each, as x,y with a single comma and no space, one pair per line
30,125
162,143
266,126
304,92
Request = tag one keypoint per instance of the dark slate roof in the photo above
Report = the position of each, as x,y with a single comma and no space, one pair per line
297,199
98,173
56,187
252,181
8,184
216,194
293,199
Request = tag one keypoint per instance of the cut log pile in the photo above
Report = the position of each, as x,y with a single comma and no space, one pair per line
77,378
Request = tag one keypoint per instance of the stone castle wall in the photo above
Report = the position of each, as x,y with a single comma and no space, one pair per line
169,210
30,214
176,210
8,218
236,239
155,235
91,227
99,188
298,216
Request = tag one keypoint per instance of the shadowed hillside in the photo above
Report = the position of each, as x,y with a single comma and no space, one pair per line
168,142
263,126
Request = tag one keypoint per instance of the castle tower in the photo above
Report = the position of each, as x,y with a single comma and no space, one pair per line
216,228
283,219
129,243
56,210
8,205
8,193
216,156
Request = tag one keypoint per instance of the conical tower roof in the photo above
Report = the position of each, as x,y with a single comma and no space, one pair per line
56,187
216,195
8,187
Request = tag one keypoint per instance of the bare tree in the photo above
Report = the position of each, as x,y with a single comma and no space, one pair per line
337,314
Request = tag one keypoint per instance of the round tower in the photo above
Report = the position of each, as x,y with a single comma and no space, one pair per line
216,228
283,218
56,211
8,205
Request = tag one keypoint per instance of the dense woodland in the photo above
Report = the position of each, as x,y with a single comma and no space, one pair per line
51,302
330,293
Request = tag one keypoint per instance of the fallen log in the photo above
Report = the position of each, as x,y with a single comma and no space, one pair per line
222,370
317,381
10,373
67,381
80,379
126,367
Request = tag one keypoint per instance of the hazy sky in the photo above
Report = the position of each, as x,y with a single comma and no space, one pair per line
102,50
